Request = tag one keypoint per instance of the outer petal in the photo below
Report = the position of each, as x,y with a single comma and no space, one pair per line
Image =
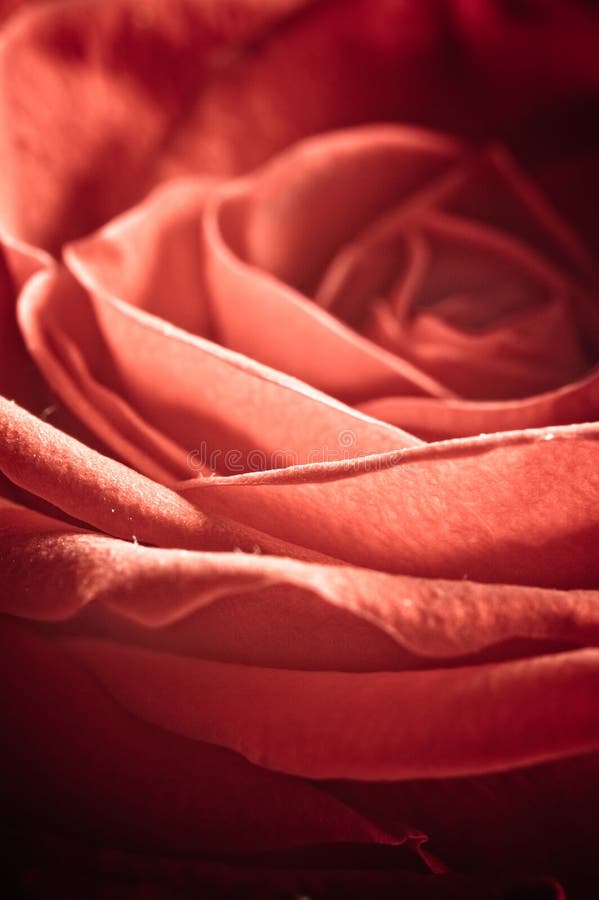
189,85
555,37
435,420
435,723
449,808
152,256
274,612
108,870
18,377
92,488
70,751
516,507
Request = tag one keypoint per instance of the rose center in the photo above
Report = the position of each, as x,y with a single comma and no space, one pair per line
472,306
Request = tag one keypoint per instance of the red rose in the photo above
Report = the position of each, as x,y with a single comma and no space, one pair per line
299,466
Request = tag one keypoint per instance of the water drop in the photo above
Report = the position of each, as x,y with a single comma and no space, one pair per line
48,410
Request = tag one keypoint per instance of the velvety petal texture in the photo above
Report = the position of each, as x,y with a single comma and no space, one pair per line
299,448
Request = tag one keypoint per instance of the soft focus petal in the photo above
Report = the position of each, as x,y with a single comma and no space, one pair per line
137,95
488,718
112,777
270,237
554,37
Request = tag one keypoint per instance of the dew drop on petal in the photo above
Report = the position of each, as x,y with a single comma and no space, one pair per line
47,411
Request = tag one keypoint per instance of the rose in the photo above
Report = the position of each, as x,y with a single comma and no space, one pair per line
137,641
291,614
260,652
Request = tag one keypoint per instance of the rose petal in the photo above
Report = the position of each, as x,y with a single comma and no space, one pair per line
302,206
286,613
287,220
106,870
70,747
517,507
93,488
493,320
434,723
486,187
217,410
151,255
556,38
328,354
19,379
70,751
182,87
436,420
493,239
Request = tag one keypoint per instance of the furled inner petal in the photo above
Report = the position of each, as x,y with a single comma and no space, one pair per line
486,316
312,199
270,236
435,420
434,278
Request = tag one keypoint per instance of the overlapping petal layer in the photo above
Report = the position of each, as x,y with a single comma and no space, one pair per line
250,634
285,611
508,288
